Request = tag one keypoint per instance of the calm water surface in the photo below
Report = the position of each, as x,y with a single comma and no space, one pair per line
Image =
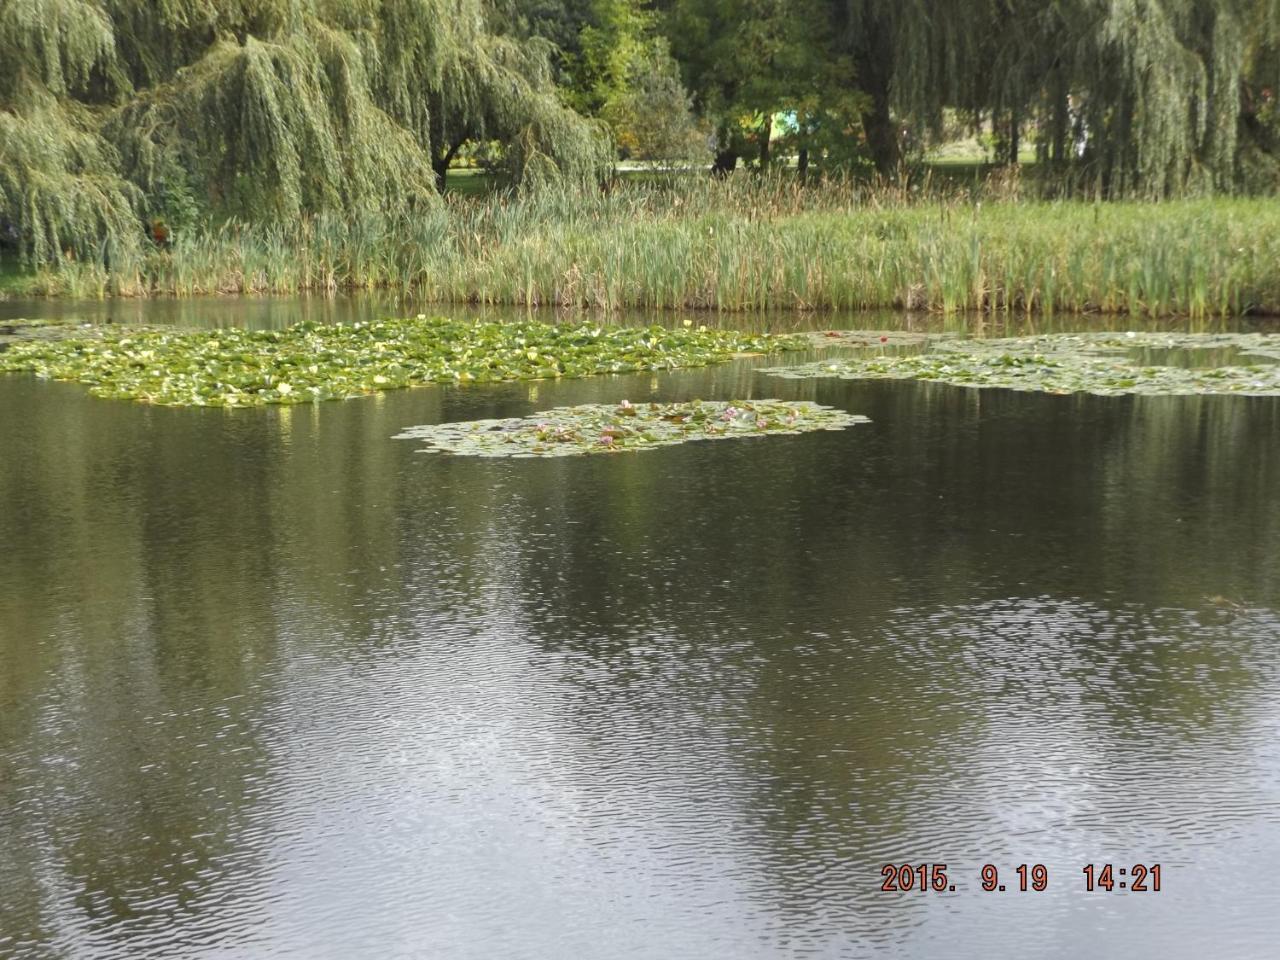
273,684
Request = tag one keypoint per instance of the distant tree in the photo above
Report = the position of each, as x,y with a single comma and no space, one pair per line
1147,96
651,113
746,60
611,63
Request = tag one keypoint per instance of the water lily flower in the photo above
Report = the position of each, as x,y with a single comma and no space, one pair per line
284,388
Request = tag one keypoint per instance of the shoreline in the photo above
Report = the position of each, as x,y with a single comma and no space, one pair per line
736,249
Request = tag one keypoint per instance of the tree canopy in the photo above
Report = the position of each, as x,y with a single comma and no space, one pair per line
1139,96
111,110
115,114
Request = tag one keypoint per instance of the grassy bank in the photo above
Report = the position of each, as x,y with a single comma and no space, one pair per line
746,245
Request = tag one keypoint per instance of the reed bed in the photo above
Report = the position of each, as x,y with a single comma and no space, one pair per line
747,244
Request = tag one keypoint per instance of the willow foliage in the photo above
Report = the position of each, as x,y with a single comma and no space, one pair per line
114,112
59,182
1165,83
1147,97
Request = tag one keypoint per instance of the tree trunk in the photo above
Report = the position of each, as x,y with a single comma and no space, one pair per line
440,163
873,69
882,135
765,134
1058,135
1014,125
802,163
725,163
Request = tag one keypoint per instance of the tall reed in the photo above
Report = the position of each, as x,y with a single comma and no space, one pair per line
748,244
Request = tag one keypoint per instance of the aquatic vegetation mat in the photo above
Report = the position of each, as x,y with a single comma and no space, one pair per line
311,361
607,428
1108,364
20,329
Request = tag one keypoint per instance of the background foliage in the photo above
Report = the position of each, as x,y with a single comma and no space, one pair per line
126,123
114,110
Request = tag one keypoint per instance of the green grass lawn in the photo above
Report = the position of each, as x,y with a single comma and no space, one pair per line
946,168
468,181
475,182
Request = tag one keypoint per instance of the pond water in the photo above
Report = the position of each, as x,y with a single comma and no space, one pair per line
274,684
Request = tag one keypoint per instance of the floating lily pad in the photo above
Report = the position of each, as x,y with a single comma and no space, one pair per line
311,362
20,330
607,428
1108,364
882,339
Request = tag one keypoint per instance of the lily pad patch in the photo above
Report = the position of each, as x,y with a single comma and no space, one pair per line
310,362
1107,364
614,428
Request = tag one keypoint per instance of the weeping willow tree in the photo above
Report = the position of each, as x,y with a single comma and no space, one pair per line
117,112
1145,97
904,55
493,89
1164,90
1138,96
60,183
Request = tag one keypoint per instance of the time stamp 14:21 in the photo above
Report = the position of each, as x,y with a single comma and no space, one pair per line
1103,877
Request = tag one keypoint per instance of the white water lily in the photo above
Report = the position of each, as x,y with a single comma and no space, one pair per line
284,388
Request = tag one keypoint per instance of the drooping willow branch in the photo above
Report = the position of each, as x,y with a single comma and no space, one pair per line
114,111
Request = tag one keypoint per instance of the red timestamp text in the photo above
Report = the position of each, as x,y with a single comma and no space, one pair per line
929,876
1138,878
933,877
